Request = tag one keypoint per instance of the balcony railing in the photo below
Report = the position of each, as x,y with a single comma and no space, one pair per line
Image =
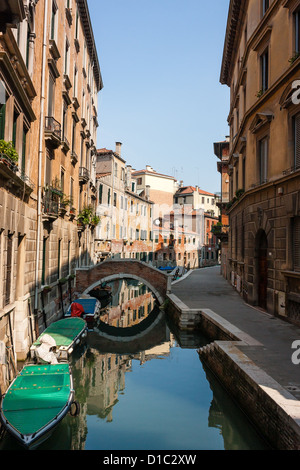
51,203
11,170
53,131
222,198
220,231
84,174
65,144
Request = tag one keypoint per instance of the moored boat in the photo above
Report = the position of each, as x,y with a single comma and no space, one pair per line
36,401
65,334
90,309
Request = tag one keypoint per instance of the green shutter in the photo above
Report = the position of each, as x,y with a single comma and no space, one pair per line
2,120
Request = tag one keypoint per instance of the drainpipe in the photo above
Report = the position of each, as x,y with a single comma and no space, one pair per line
41,137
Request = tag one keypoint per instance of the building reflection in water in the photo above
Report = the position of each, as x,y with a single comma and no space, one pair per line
100,366
100,371
131,302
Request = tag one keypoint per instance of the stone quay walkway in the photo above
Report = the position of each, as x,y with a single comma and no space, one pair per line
207,289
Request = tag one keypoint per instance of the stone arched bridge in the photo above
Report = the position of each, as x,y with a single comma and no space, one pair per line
90,277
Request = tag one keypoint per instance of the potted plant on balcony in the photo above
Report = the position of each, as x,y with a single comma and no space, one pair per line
84,216
8,154
94,221
72,212
64,203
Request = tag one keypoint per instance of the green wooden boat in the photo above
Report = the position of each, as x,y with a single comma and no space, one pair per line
36,401
66,334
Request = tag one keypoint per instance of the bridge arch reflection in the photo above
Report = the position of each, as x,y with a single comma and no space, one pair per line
115,277
131,315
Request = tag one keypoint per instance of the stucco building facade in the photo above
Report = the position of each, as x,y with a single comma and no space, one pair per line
261,66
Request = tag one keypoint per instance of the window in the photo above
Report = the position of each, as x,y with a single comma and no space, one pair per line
67,57
296,243
265,6
108,196
53,20
73,135
75,82
263,160
115,199
15,124
71,190
100,193
297,31
2,109
51,95
264,70
296,126
9,254
76,24
24,139
64,120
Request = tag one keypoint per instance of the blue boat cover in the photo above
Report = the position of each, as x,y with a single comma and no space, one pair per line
89,305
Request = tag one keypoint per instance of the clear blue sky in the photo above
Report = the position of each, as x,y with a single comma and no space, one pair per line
160,62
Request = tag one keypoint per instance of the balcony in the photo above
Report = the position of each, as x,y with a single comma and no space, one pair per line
74,157
221,232
52,132
16,180
84,175
11,14
222,198
51,204
65,144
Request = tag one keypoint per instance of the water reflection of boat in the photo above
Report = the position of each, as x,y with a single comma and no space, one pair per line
36,401
65,334
91,307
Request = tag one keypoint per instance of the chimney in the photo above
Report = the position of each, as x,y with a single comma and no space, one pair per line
118,148
147,192
128,176
181,184
149,168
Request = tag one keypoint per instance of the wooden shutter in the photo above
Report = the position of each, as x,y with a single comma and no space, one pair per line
2,120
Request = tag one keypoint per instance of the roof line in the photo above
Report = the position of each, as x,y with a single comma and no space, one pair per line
88,31
236,9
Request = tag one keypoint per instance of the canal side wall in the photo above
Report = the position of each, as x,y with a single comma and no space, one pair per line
271,408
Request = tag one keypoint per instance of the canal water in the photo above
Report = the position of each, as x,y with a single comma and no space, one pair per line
142,386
